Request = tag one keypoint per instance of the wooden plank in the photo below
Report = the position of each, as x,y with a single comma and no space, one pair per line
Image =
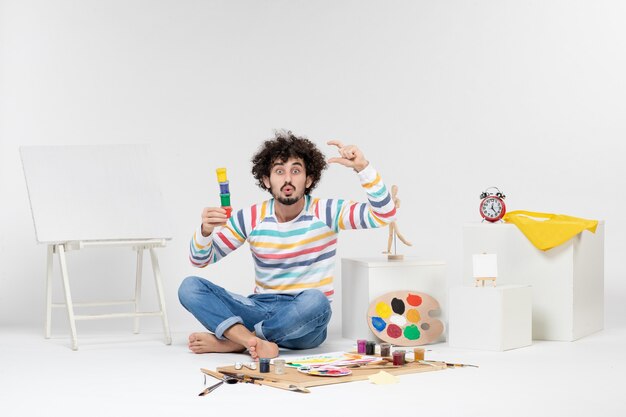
292,375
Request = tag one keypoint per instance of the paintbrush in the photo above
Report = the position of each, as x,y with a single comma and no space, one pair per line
375,366
450,365
459,365
262,381
223,378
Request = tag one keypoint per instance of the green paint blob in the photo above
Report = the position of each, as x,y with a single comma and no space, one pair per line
411,332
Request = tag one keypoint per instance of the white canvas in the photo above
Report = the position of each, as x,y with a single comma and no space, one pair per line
485,265
83,193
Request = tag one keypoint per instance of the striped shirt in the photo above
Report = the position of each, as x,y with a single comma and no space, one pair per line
293,256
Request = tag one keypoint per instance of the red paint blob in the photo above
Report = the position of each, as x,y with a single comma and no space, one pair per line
414,300
394,331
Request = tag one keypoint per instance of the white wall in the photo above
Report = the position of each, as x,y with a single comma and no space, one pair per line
444,97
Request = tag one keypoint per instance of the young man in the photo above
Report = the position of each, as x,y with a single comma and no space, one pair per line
293,240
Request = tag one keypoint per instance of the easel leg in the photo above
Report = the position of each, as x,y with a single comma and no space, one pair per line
49,264
159,286
138,274
68,295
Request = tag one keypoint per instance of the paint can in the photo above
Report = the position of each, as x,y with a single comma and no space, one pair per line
221,175
279,366
418,354
385,350
370,347
264,365
224,188
360,345
398,357
225,200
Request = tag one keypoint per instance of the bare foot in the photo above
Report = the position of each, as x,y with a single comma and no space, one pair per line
208,343
259,348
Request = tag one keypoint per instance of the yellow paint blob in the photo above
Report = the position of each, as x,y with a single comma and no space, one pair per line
383,310
413,316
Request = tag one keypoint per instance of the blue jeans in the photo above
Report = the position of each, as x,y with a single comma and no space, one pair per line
291,321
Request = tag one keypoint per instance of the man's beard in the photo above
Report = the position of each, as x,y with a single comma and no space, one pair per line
288,201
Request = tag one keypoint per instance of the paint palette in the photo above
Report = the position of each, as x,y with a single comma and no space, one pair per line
334,358
325,370
405,318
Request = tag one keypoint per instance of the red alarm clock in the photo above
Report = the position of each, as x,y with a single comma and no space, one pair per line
492,207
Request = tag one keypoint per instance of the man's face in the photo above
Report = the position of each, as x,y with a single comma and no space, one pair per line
287,181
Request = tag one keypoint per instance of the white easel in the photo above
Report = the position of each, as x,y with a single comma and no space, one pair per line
69,187
485,268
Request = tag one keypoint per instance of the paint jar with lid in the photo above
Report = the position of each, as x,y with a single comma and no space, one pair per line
418,354
370,347
360,345
385,350
264,365
225,200
279,366
398,357
221,175
224,189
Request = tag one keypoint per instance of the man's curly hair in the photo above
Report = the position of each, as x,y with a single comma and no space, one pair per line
286,145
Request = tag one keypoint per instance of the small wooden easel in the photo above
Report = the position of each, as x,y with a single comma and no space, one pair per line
485,269
482,280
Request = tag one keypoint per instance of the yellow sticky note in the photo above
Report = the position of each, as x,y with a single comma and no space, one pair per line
383,378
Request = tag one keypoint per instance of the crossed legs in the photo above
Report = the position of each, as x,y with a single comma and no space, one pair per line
259,323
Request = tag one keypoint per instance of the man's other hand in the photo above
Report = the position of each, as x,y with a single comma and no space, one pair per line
211,218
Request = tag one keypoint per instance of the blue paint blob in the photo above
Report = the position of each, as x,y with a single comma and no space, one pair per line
378,323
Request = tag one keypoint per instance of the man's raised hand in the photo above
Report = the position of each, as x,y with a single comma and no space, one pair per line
350,156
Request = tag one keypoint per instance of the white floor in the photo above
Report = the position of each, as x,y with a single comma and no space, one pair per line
124,374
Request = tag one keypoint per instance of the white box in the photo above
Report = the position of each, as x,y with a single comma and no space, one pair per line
490,318
363,280
567,281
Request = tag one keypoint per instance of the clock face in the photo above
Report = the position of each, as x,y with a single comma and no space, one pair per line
492,208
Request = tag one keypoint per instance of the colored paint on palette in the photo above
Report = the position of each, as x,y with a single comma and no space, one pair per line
405,318
325,370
